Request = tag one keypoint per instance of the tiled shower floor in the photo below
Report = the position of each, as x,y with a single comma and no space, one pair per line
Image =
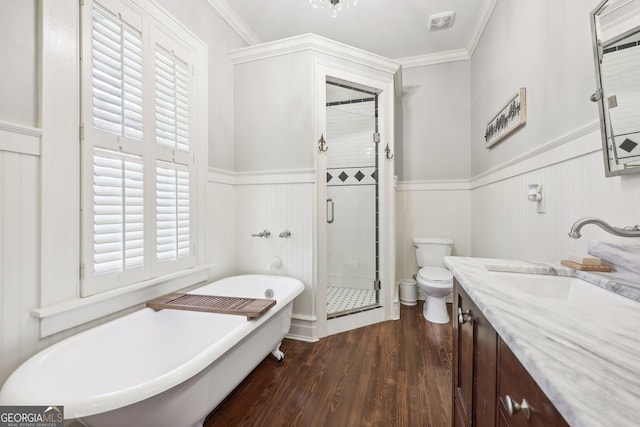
340,300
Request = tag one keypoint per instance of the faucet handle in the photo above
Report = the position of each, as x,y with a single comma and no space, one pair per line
265,234
285,234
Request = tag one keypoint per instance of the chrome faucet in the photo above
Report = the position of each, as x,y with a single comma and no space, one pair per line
629,231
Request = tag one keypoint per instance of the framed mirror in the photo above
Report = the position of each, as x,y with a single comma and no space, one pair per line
615,27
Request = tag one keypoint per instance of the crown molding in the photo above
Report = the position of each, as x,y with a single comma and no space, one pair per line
235,21
252,39
316,43
483,18
434,58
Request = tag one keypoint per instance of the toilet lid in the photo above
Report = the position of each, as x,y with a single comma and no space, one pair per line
435,274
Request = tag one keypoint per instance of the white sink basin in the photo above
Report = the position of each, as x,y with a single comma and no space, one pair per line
561,288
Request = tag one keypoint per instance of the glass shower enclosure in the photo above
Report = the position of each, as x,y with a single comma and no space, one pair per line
352,198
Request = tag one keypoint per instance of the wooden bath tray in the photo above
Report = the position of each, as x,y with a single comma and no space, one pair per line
586,267
250,307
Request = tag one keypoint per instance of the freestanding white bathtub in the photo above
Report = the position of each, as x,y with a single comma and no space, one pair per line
167,368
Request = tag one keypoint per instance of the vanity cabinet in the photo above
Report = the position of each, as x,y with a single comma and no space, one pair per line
474,364
490,385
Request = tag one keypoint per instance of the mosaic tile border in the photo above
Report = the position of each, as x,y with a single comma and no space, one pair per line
352,176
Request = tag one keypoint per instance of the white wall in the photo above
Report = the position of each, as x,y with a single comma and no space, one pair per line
273,114
547,49
19,91
432,160
435,122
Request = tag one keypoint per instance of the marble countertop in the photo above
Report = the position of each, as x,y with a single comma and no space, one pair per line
585,357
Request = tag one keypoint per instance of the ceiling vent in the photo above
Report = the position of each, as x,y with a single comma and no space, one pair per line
441,21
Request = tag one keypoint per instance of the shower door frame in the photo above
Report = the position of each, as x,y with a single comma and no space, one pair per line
387,295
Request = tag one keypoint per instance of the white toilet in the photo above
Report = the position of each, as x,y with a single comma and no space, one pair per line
433,277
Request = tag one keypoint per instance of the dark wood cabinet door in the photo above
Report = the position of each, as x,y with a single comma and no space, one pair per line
485,371
515,382
475,364
463,362
464,383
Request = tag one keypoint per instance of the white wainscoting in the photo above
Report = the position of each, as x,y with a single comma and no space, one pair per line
242,204
505,224
221,222
19,255
430,209
571,172
490,216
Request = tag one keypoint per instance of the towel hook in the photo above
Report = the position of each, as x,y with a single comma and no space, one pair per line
387,152
322,144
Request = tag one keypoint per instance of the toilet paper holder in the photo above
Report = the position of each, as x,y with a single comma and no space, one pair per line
534,194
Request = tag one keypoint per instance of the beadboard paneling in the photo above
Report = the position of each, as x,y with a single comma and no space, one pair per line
19,257
220,229
277,207
430,210
505,224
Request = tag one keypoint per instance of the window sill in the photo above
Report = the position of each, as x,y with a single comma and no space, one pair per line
75,312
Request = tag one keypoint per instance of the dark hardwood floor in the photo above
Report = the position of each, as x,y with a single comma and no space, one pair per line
395,373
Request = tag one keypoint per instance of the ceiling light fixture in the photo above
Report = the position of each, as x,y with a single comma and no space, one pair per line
333,6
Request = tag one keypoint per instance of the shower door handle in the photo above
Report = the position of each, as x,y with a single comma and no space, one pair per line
329,211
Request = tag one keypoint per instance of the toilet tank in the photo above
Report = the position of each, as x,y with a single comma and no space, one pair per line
430,251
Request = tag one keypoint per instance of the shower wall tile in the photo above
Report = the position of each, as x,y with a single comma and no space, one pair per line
350,135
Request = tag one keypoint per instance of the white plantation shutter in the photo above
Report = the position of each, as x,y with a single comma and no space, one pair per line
117,76
173,169
172,100
118,212
172,212
139,174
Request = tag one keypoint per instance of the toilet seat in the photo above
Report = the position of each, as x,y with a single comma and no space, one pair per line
435,276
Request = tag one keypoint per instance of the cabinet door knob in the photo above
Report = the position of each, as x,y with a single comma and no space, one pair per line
513,407
464,316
